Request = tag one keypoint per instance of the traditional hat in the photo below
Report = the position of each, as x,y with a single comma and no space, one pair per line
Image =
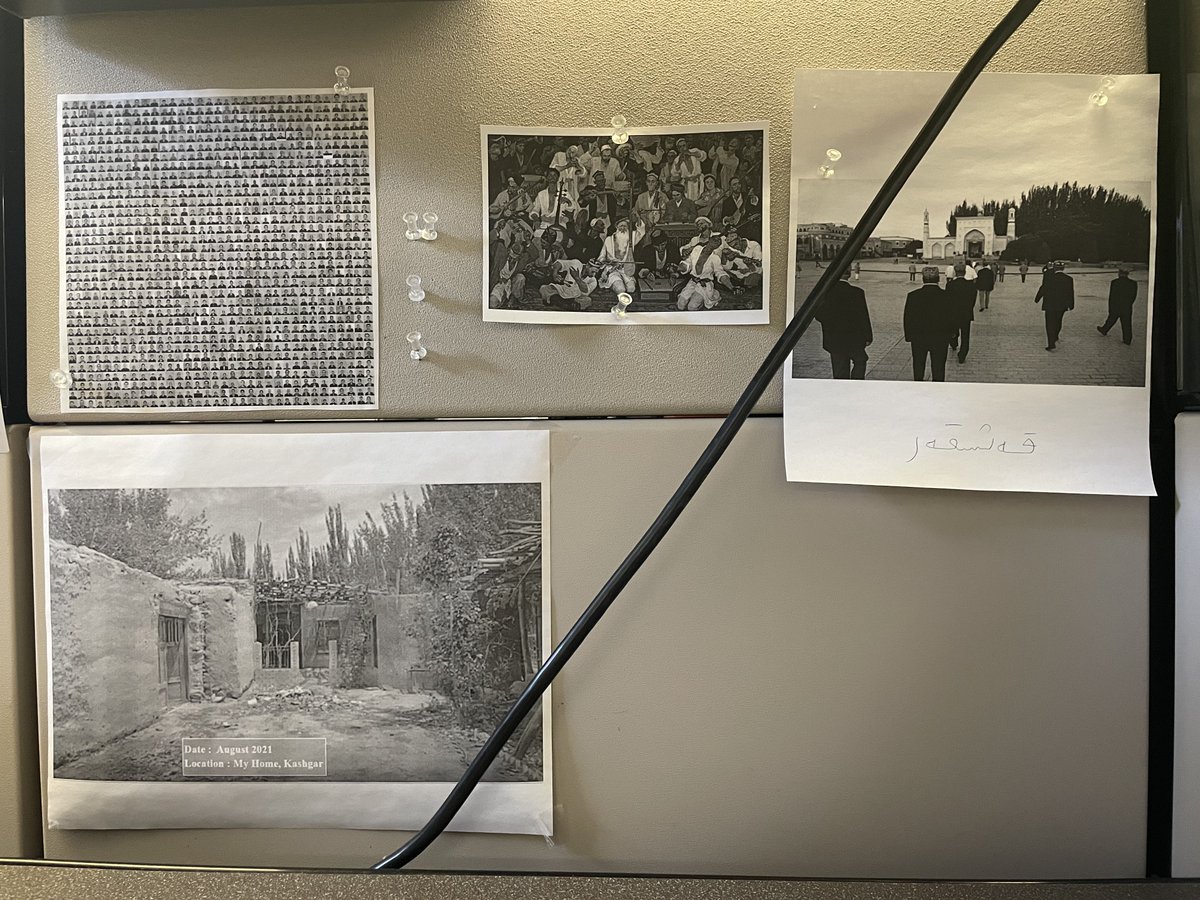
703,222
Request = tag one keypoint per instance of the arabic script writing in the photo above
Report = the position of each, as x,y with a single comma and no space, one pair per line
981,440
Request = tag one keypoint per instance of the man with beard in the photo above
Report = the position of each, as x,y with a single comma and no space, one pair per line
619,267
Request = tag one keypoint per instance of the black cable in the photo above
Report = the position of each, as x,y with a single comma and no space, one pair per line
716,447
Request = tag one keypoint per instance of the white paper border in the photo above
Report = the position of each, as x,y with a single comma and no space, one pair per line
63,362
199,456
558,317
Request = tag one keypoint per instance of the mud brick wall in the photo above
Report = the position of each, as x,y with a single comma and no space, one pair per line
104,633
221,637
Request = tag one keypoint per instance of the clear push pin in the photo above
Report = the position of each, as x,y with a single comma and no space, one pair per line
619,134
410,227
1100,97
415,292
343,80
60,379
621,309
833,154
416,348
429,230
827,171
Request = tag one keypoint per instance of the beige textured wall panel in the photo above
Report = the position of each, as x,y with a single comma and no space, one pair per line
440,69
20,834
810,680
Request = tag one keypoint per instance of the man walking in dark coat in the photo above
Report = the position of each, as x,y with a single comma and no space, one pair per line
846,329
961,294
1057,295
985,280
1122,291
929,321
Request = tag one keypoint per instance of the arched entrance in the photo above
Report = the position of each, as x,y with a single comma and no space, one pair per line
973,242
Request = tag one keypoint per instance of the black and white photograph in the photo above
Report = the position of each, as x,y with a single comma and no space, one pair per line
1046,284
294,632
217,250
668,226
994,331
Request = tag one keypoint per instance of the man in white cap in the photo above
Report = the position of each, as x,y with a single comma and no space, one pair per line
704,230
551,204
619,273
607,163
704,271
572,167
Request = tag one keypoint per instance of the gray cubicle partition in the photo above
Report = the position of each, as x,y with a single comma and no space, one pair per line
809,681
441,69
20,831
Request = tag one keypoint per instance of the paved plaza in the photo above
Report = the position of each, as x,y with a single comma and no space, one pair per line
1008,340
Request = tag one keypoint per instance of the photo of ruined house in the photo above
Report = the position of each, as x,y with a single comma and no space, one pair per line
397,622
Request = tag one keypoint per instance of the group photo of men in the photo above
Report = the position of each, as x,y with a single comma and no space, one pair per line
990,320
673,220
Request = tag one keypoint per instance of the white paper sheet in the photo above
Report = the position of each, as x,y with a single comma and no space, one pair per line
738,301
290,477
1012,415
217,250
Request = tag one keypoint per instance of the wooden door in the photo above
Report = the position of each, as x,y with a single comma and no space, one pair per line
172,658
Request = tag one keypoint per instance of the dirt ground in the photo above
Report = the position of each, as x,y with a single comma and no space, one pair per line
373,735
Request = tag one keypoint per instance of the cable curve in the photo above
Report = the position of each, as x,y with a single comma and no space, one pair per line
716,447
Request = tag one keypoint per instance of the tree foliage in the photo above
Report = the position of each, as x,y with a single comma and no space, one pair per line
1068,221
135,526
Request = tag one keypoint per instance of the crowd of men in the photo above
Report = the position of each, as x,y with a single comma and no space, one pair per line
937,319
572,220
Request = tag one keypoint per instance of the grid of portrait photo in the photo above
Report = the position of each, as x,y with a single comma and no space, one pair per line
675,219
218,250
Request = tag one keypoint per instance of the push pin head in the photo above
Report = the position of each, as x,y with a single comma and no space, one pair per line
1100,97
343,80
623,301
416,349
415,293
60,379
827,171
429,232
410,227
833,155
619,134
